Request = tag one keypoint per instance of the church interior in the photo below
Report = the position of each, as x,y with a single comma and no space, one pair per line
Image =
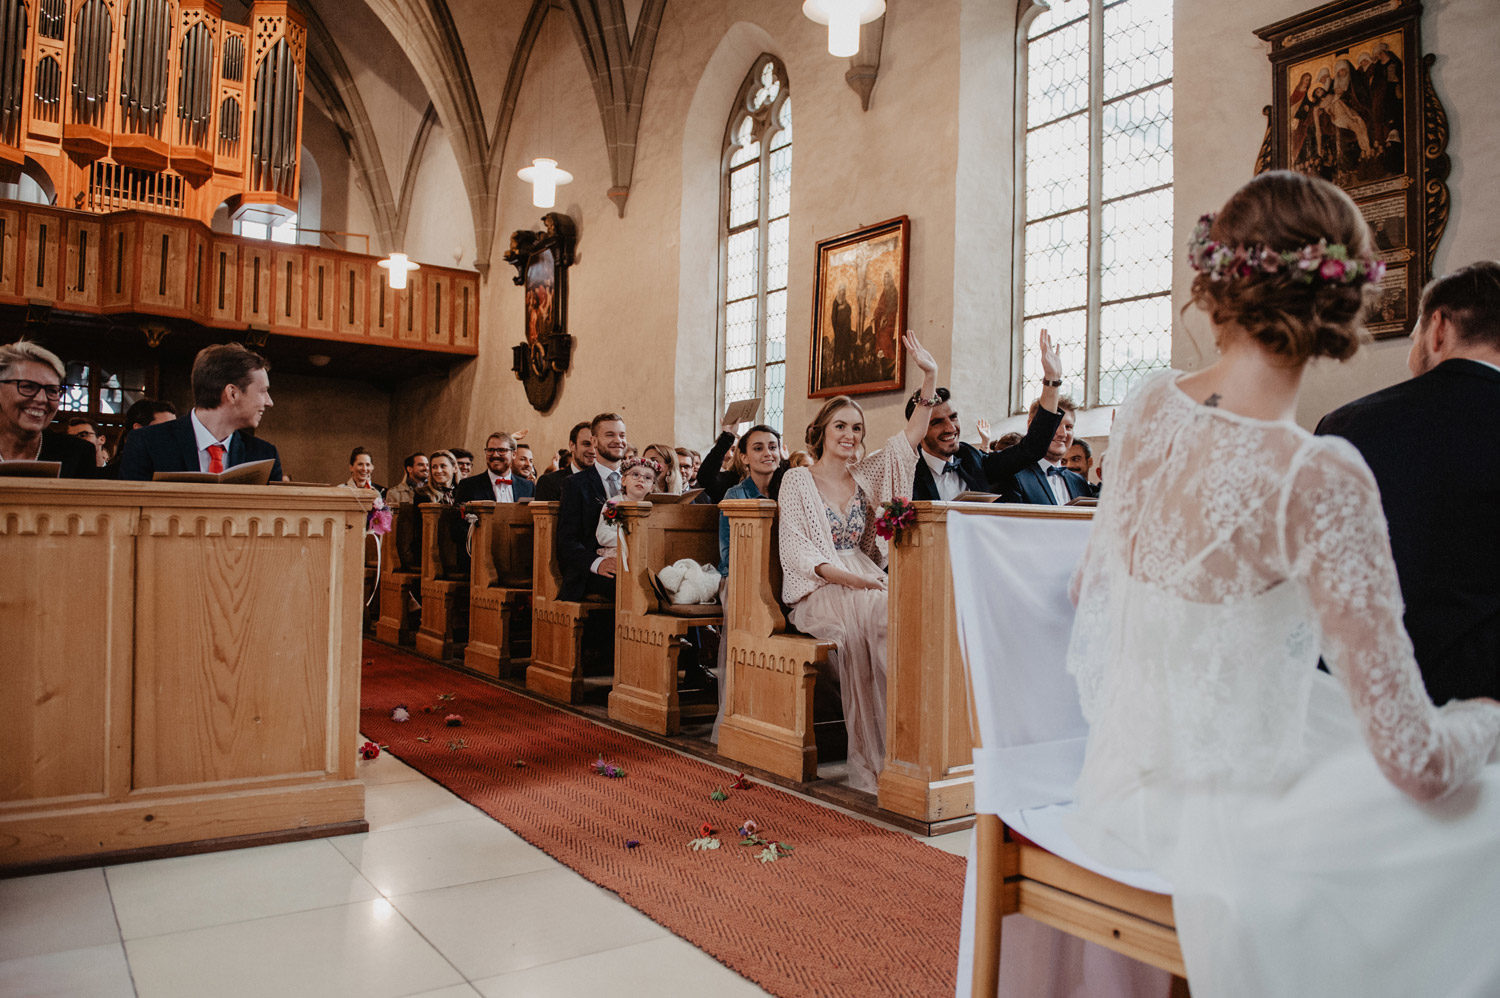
1042,163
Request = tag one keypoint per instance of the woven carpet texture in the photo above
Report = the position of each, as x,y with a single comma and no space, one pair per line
853,910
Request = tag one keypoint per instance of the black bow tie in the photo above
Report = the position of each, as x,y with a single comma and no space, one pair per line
1054,472
950,466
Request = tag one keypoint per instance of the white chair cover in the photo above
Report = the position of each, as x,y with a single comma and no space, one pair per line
1010,582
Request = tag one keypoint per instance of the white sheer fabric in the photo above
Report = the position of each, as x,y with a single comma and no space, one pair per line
1227,555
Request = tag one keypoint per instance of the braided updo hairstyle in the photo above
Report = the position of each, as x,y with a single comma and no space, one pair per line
1286,211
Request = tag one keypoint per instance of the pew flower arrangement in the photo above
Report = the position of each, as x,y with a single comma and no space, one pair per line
895,515
378,519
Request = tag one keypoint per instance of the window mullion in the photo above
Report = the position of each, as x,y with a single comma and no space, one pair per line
763,269
1096,197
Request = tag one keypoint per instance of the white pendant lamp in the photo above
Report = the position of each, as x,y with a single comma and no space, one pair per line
843,18
397,266
544,178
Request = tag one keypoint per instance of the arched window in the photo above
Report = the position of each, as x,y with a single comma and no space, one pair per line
757,197
1095,115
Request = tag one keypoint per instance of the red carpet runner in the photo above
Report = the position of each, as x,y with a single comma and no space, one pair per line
854,910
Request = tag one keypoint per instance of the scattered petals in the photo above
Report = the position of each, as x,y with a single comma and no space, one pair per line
427,709
519,764
446,696
424,739
718,794
457,744
400,713
453,720
706,829
369,750
632,843
608,769
749,828
741,782
707,842
774,851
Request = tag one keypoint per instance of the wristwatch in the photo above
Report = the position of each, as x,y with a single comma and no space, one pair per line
1052,384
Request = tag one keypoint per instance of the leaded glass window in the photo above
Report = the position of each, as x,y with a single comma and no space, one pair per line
757,200
1096,267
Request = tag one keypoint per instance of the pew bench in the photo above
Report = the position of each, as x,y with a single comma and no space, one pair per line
500,578
651,635
400,577
444,582
557,625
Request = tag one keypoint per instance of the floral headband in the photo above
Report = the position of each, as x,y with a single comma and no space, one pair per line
633,463
1319,261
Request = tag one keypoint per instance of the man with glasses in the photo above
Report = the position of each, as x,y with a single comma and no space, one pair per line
497,482
87,430
31,386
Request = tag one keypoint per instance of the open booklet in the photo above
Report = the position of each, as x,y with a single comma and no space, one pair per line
250,473
740,412
970,496
672,498
32,469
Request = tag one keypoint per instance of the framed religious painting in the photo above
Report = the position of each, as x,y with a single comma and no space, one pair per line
1354,104
542,260
859,311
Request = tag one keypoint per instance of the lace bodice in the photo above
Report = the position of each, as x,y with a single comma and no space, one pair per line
1228,554
848,528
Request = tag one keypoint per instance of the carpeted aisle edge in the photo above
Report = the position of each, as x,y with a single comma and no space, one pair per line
854,910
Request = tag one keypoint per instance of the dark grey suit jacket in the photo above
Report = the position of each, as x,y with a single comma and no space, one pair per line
173,447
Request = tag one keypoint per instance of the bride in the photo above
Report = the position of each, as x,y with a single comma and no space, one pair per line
1325,834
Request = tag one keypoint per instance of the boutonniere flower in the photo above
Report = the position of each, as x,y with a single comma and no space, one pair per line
611,510
895,515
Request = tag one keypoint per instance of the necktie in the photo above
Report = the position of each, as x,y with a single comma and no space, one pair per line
215,458
614,484
1054,472
499,482
951,466
502,481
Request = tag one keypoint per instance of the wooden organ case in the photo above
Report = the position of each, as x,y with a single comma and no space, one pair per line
154,105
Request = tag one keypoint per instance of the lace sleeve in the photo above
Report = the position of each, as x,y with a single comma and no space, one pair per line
1336,541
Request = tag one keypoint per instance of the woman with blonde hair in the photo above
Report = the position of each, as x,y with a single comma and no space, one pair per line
833,576
441,477
666,460
1307,821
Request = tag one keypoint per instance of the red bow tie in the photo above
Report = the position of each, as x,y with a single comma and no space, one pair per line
502,481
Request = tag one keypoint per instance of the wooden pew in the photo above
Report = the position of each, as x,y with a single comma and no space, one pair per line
649,636
400,577
500,579
929,771
556,669
198,686
445,582
769,673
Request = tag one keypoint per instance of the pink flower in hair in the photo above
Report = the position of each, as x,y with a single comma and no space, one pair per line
1332,270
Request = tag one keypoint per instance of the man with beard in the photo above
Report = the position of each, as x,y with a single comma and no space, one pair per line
581,455
949,466
584,571
1441,493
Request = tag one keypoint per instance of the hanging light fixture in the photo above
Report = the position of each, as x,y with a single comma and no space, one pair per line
843,18
397,266
543,174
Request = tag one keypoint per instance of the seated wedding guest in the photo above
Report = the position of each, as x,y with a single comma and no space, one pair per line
580,456
1080,458
498,481
1305,820
584,572
638,478
1444,541
948,466
464,461
687,467
715,475
800,459
760,448
31,387
231,391
417,469
523,463
87,430
1005,440
142,412
442,476
1045,482
832,562
362,471
665,458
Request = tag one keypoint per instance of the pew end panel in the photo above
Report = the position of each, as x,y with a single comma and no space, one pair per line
769,671
400,578
556,669
500,589
651,645
445,583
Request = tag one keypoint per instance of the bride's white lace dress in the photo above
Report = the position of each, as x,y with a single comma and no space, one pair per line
1227,555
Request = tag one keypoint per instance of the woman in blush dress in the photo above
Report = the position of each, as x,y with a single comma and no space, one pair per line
1324,833
833,574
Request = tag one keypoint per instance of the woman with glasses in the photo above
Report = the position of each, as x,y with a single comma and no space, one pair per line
30,394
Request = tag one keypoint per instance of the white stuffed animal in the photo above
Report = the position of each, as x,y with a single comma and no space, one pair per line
686,581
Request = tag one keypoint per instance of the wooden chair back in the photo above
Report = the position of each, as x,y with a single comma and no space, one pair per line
442,543
502,545
546,573
404,544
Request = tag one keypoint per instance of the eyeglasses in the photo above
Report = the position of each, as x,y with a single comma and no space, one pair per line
497,450
28,389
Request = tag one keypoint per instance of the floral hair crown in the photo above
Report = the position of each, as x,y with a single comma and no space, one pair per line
1319,261
630,464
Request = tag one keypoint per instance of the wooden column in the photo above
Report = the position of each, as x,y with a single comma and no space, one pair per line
500,578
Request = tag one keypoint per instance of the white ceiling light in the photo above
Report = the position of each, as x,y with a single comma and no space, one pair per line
397,265
843,18
544,178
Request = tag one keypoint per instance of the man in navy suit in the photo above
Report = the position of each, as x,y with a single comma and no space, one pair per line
498,482
1046,482
584,572
581,455
1425,441
948,466
231,391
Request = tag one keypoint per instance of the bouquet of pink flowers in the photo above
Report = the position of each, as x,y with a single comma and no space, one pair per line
895,515
378,519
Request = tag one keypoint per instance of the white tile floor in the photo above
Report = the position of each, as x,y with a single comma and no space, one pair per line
436,900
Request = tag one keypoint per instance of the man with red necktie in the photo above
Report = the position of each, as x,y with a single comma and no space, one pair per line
231,391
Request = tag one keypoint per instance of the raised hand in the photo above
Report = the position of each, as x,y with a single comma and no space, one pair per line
1051,358
918,353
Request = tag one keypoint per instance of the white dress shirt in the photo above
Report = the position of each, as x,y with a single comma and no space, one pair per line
503,492
949,483
205,439
604,474
1057,483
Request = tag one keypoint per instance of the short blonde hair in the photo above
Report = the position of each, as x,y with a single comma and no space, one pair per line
27,352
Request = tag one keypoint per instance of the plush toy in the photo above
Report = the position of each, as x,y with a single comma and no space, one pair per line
686,581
